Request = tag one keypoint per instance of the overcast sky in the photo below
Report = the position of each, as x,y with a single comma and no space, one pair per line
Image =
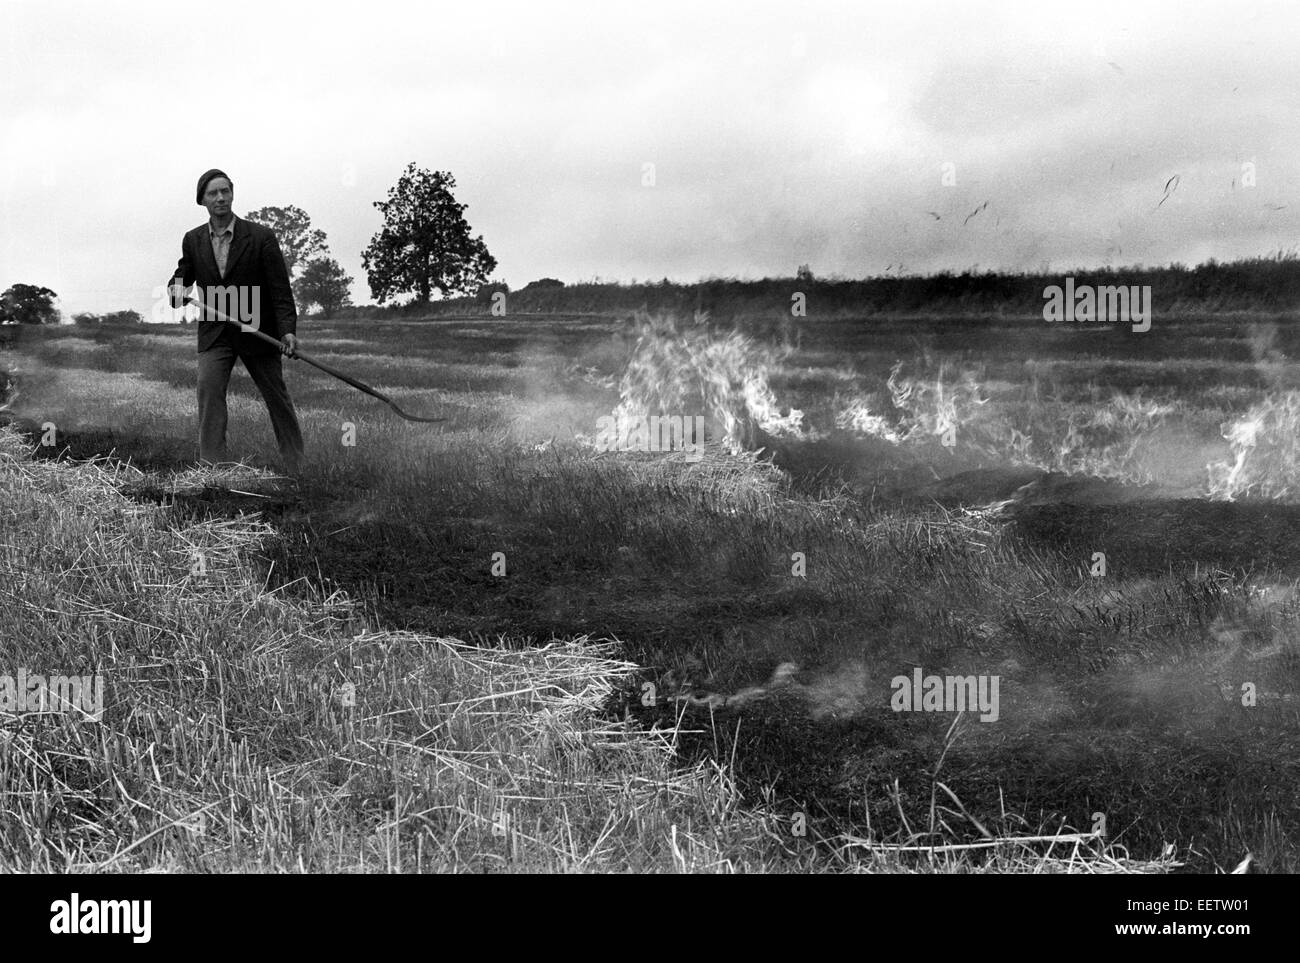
780,133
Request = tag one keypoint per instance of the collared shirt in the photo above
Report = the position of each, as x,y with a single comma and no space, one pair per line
221,243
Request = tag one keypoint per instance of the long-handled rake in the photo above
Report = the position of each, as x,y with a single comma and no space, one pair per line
360,386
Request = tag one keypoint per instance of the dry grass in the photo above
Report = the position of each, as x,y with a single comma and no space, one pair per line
243,731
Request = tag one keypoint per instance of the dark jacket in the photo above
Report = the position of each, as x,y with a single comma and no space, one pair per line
255,263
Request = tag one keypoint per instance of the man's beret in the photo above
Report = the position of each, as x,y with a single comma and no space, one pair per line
203,183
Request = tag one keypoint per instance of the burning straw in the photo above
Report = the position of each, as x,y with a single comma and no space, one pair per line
687,369
1265,447
1264,443
1105,439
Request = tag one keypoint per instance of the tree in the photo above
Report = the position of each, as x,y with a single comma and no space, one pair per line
28,304
425,241
299,241
324,283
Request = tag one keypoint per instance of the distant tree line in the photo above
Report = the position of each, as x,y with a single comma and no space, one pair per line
117,318
1254,284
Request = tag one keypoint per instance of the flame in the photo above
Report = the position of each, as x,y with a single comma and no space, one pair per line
687,369
924,407
1106,441
1265,444
934,408
858,417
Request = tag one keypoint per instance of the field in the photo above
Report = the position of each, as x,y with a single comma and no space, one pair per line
685,664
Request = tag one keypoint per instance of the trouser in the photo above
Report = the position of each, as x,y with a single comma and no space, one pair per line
215,365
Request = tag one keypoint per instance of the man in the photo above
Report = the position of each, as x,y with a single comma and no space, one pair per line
240,270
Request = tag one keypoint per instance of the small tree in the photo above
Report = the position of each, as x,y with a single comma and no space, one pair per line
86,320
299,241
28,304
425,241
326,284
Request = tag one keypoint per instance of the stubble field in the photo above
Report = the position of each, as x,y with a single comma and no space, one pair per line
1054,506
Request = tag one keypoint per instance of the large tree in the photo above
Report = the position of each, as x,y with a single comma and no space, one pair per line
324,283
299,241
425,241
29,304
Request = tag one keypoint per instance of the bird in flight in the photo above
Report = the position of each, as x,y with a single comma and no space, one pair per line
974,212
1171,185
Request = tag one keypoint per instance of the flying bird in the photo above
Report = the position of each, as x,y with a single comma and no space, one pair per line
974,212
1171,185
934,215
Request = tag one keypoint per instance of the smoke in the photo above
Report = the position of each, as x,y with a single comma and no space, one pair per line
8,390
1108,441
839,694
1270,361
833,694
1264,629
76,397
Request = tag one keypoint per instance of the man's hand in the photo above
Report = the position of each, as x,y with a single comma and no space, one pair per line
289,345
176,290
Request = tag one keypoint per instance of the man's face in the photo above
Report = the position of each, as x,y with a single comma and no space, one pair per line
218,196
